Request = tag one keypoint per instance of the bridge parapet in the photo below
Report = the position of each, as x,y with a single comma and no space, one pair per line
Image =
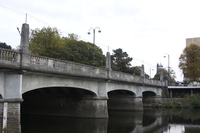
66,67
37,60
46,64
9,55
120,76
55,66
155,82
9,58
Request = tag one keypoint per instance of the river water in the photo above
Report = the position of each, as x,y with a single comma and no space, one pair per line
147,121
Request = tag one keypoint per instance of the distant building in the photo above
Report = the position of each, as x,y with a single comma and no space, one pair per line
190,41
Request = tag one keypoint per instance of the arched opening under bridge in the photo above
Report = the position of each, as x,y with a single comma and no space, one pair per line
150,99
61,101
121,100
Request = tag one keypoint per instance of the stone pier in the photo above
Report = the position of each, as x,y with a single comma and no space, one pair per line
10,103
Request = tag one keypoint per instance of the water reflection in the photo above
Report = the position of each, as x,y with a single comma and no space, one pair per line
147,121
35,124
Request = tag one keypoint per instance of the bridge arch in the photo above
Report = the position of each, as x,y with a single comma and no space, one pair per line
60,91
153,91
33,82
120,92
60,101
120,87
121,99
150,98
148,94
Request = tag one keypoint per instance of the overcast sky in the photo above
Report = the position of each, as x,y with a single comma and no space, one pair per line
145,29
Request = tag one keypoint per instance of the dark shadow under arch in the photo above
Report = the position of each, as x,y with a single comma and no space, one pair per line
121,100
148,94
60,91
116,93
57,101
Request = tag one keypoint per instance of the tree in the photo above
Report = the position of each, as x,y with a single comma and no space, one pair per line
135,70
48,42
121,61
84,52
189,62
4,45
166,76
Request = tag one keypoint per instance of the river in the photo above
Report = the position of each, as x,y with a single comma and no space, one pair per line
147,121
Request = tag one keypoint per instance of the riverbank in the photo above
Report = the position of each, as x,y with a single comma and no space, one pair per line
187,102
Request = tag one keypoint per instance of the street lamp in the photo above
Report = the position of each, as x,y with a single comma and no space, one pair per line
150,72
94,32
168,66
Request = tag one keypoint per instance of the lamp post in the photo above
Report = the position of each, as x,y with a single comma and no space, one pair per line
168,65
94,32
150,72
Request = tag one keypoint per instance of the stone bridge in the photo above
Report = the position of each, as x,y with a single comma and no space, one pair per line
39,85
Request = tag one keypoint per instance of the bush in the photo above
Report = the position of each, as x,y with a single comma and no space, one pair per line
194,101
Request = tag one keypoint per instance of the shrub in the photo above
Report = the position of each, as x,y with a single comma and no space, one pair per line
194,101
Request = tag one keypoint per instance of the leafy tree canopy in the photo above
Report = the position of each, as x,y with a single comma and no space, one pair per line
189,62
121,61
135,70
4,45
48,42
166,76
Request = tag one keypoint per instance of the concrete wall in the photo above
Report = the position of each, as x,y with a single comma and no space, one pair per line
33,81
137,89
36,81
10,116
2,81
10,88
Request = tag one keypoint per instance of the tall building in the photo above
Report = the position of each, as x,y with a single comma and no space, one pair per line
189,41
195,40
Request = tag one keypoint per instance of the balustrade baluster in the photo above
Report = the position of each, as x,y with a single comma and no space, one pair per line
6,55
1,56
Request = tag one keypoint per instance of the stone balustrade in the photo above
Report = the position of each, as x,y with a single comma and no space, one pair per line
47,64
37,60
115,75
9,55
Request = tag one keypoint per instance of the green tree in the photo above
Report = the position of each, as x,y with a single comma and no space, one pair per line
189,62
121,61
4,45
48,42
135,70
166,76
83,52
